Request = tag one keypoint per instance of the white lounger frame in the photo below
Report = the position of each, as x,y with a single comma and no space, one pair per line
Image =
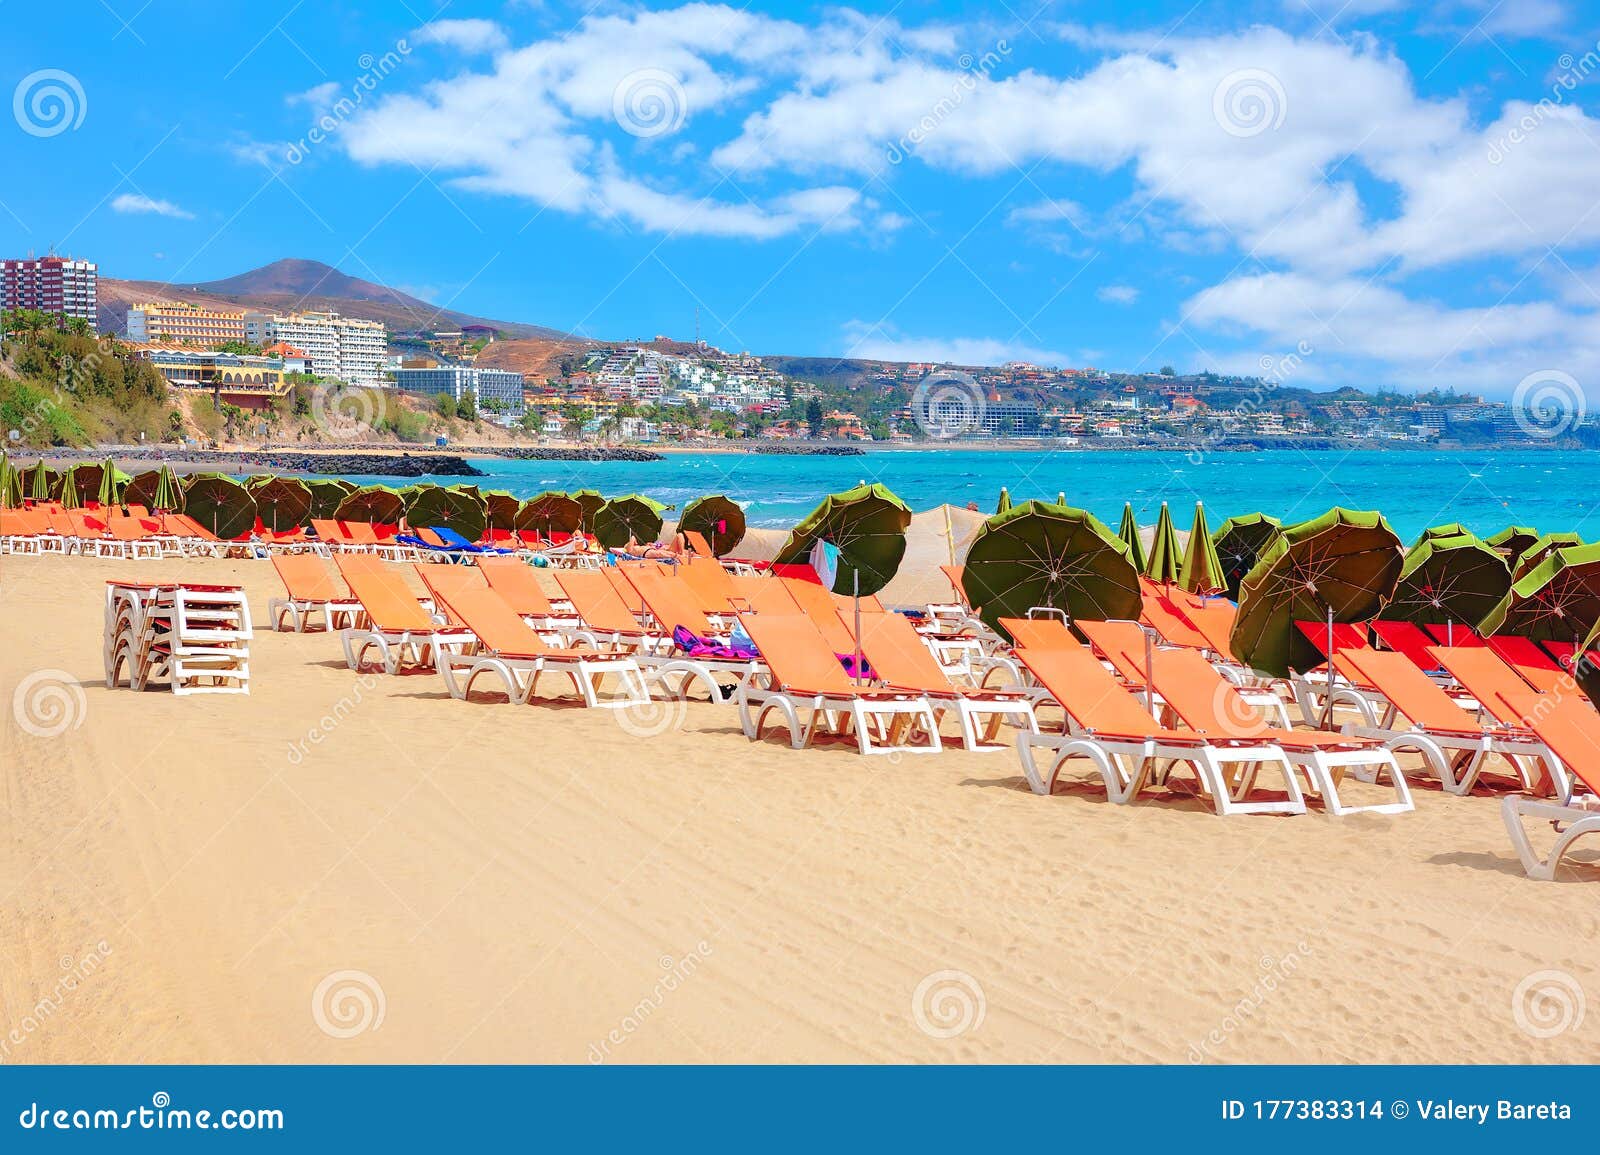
1583,819
520,675
873,716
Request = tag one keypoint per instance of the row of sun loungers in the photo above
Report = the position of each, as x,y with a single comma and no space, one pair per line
102,533
1135,703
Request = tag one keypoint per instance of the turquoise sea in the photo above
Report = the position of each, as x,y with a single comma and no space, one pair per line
1415,489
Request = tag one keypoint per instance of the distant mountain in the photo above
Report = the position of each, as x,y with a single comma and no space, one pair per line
300,284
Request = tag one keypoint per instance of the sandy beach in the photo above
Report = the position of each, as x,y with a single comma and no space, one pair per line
346,868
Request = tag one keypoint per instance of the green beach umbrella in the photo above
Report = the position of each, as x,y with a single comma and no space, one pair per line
1165,563
219,503
500,510
1239,542
141,488
716,517
1043,554
67,491
1541,549
1202,568
41,481
326,494
112,482
867,525
549,512
1448,579
282,503
446,507
10,484
629,518
375,503
1005,500
1344,563
169,494
590,501
1557,601
1513,539
1588,671
1129,533
1449,529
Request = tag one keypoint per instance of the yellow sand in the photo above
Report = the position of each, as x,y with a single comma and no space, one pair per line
545,884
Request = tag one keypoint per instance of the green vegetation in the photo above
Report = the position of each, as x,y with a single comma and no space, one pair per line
64,387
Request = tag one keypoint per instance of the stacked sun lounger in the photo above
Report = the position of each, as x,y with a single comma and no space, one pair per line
195,638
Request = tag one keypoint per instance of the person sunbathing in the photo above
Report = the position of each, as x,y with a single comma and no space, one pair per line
671,551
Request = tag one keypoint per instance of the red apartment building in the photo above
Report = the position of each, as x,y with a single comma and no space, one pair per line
59,286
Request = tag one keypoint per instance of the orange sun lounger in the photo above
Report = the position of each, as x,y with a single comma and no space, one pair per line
392,621
806,678
1206,703
902,661
309,589
509,648
1112,729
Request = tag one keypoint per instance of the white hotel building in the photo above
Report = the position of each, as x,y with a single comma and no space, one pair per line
343,348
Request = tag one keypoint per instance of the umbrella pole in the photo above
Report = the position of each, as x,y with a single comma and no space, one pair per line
1149,671
856,584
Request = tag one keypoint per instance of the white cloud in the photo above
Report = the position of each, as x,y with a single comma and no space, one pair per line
1118,294
469,36
318,96
1315,158
866,341
139,203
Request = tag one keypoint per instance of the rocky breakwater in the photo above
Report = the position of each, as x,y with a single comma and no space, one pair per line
539,453
811,450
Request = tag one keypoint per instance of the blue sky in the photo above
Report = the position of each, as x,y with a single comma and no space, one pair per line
1369,192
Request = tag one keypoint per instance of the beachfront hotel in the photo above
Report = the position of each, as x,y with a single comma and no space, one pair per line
493,390
179,321
59,286
342,348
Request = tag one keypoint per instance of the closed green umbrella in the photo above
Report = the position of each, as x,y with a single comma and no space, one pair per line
590,501
1448,580
219,503
1240,541
1202,568
716,517
282,503
1531,557
1005,500
625,519
1557,601
375,503
1043,554
1342,565
10,484
500,510
40,481
67,492
549,513
1513,539
112,482
326,494
169,494
446,507
867,525
1165,563
1129,533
